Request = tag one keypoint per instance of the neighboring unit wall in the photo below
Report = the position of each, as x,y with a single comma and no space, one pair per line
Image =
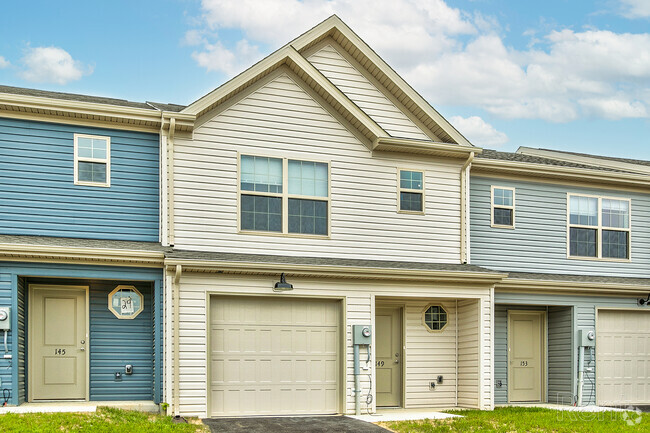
539,241
560,361
38,193
469,356
583,317
348,78
281,119
6,300
359,298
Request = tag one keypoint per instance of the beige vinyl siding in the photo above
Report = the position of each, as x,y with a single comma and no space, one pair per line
469,354
363,93
358,297
429,355
281,119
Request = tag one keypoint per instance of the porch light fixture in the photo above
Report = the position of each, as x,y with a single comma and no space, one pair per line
282,285
643,302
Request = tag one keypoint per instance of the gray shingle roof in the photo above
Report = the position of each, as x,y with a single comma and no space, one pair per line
518,157
608,158
580,278
88,98
51,241
319,261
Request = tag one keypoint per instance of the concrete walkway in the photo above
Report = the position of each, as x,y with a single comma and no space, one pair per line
79,406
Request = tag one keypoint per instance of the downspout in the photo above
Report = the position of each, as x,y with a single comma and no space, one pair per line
163,181
464,208
170,176
176,391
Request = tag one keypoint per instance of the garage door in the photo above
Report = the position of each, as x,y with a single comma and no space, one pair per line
623,357
274,356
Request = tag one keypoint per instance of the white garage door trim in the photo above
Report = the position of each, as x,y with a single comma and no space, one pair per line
619,380
290,345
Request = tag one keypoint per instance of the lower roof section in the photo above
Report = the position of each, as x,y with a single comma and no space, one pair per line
216,262
573,283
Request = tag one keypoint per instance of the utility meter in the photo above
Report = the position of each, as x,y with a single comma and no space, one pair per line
5,318
586,338
362,334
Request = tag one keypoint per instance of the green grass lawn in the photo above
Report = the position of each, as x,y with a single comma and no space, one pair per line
516,419
105,420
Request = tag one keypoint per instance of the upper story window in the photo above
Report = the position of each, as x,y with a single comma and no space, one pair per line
503,207
599,227
92,160
411,191
266,205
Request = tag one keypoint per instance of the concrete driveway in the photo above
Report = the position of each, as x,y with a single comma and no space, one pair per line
315,424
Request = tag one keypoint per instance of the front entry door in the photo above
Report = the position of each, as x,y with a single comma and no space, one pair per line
57,342
388,354
526,367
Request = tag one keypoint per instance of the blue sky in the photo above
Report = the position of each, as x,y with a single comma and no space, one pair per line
571,75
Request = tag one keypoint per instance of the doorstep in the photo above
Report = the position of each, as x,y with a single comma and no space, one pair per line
384,415
80,406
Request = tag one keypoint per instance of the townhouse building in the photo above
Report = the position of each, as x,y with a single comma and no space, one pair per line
573,234
81,277
318,192
312,237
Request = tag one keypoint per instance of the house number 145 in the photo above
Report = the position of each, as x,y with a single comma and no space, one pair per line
59,351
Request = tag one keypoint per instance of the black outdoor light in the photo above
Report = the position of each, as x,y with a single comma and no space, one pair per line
643,302
282,285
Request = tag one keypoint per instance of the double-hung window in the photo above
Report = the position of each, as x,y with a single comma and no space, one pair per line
92,160
411,191
281,195
599,227
503,207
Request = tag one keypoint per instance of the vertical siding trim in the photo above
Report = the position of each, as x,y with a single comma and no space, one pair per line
157,341
14,340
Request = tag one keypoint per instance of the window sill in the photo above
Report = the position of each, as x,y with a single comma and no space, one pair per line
283,235
102,185
599,259
411,212
498,226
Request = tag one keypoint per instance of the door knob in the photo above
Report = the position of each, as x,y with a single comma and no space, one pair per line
83,349
83,341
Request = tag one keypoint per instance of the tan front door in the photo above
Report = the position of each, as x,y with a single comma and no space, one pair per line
388,354
57,342
526,366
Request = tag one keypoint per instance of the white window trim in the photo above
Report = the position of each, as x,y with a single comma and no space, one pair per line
493,206
285,196
417,191
599,229
106,160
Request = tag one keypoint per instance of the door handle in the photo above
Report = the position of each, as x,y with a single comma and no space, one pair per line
397,361
83,349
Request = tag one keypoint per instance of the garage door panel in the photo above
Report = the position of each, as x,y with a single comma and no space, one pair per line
623,357
274,356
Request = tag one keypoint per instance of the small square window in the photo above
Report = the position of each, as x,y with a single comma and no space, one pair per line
92,160
411,191
503,207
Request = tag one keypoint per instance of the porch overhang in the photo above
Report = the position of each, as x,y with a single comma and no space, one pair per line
571,284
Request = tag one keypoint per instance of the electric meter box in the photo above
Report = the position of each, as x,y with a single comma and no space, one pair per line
362,334
586,338
5,318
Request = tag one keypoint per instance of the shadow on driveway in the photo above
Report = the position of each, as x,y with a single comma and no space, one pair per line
315,424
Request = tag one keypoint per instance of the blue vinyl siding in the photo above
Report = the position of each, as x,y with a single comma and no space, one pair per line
38,195
113,342
539,241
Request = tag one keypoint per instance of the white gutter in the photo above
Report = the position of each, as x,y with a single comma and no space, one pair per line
170,181
464,209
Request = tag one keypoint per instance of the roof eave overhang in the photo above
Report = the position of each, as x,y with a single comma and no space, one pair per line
537,286
330,271
576,174
52,109
423,147
58,254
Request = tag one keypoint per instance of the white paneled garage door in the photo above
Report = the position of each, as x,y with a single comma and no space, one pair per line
623,357
274,356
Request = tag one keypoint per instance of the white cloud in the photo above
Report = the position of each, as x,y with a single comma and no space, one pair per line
4,63
52,65
453,57
479,132
635,8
